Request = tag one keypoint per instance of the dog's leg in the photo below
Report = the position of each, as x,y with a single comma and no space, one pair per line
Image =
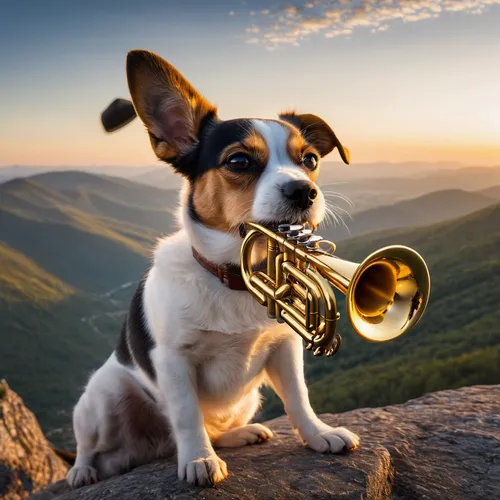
241,436
83,471
285,369
85,426
241,433
197,460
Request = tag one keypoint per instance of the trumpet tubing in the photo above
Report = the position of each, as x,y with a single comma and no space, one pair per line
386,294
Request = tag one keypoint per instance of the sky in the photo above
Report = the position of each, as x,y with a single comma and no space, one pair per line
398,80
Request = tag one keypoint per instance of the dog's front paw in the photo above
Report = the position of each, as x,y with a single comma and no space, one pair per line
326,439
82,475
241,436
204,471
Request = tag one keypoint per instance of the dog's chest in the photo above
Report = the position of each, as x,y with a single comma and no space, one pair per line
227,365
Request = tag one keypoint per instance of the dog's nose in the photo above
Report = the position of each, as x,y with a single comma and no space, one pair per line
301,193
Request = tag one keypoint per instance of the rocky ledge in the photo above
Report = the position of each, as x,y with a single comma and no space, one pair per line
442,446
27,462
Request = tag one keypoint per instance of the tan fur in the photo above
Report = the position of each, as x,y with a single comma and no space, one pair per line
297,147
255,144
317,132
167,103
223,199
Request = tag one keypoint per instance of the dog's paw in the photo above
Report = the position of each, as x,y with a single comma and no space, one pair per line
205,471
82,475
242,436
326,439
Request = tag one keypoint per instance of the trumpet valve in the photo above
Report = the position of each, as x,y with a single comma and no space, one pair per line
282,291
315,242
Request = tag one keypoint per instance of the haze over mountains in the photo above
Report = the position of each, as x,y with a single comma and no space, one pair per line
493,192
420,211
8,173
73,246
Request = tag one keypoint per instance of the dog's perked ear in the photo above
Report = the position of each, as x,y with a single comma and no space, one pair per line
318,133
118,114
172,110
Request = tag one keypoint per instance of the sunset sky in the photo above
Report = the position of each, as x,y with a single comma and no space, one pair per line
398,80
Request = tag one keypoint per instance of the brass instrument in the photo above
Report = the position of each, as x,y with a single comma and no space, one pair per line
386,294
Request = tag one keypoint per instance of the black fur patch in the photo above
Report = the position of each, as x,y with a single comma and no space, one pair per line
122,351
191,209
214,137
135,342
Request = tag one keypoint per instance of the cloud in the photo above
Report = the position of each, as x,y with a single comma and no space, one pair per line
292,23
252,29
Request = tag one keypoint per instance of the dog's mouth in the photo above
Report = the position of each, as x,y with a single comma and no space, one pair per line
280,225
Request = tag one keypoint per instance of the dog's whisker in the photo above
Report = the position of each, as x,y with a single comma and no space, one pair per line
332,215
330,221
342,211
340,196
336,214
333,194
237,207
339,217
338,209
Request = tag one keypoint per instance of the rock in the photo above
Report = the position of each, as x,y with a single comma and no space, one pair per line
27,462
442,446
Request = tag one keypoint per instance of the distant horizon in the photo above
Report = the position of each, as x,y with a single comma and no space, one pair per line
451,163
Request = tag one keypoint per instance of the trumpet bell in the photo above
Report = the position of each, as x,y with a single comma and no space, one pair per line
388,293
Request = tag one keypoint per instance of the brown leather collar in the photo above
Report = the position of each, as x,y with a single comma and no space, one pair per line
229,274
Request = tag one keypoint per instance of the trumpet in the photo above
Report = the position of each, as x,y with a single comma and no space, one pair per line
386,294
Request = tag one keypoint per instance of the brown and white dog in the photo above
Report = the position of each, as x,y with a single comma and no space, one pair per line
194,352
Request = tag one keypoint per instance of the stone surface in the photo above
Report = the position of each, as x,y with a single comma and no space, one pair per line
27,463
442,446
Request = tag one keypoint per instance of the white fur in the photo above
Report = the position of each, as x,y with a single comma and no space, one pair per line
214,348
279,170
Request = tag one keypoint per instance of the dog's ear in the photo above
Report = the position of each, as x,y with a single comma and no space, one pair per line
172,110
118,114
318,133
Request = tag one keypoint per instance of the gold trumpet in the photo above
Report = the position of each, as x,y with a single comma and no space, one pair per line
386,294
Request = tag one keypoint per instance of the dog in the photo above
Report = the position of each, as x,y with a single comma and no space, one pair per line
196,347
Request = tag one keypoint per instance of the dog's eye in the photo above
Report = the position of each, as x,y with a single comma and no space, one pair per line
310,161
238,161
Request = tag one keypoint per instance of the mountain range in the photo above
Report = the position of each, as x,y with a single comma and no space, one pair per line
73,246
427,209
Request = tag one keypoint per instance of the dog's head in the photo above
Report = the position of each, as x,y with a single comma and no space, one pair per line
238,170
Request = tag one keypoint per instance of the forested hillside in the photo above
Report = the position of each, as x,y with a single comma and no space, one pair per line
73,245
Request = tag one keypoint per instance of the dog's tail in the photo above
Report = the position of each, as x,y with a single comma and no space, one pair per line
118,114
68,456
